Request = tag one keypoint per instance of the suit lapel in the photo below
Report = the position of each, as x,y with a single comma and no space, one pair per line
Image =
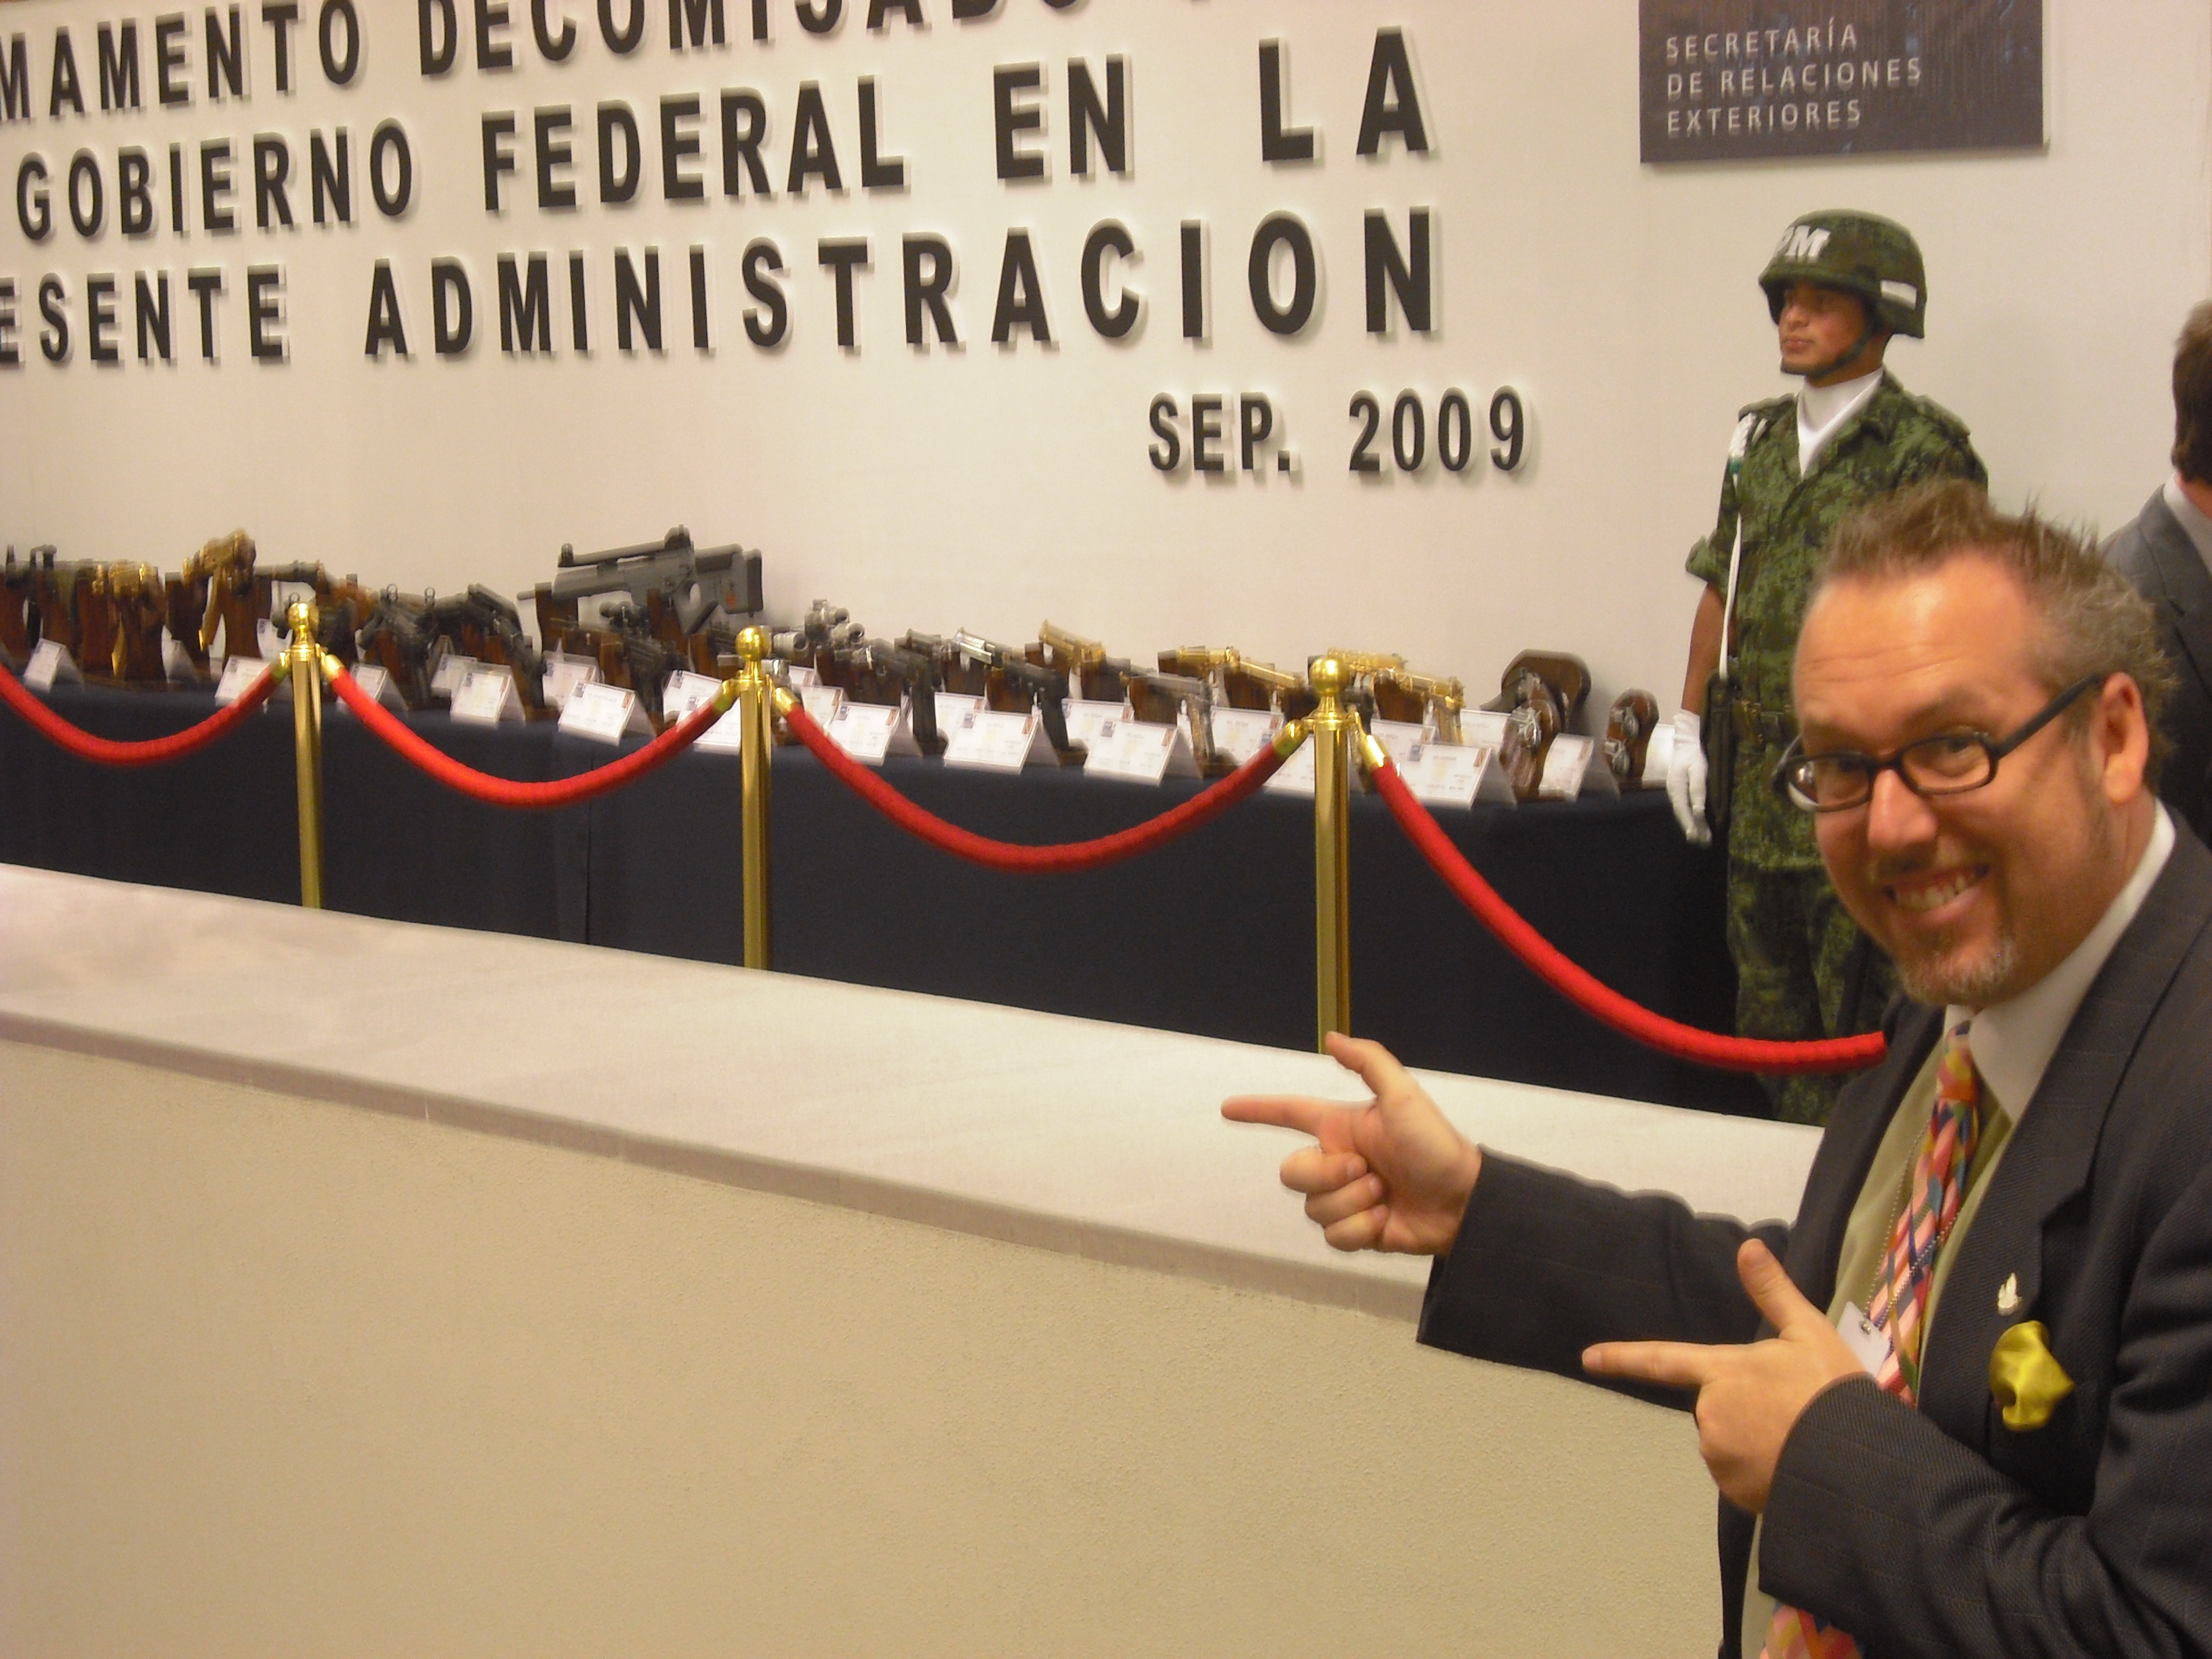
1846,1151
2050,1158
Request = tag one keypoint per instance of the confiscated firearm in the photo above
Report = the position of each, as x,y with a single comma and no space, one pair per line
51,605
1241,683
1013,685
692,598
396,637
121,610
19,618
1100,678
227,603
1159,699
913,676
1541,695
825,629
1420,700
1628,728
481,625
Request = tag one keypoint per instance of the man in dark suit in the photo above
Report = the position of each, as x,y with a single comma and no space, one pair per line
2165,553
1969,1412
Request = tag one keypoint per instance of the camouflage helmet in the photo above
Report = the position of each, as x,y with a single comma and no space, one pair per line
1861,253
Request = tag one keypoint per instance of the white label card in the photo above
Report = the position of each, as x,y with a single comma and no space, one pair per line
1566,766
1296,776
1241,733
1453,775
866,731
822,702
51,664
564,674
1085,720
604,713
372,679
1140,753
176,663
451,671
1397,737
994,742
487,697
684,693
269,640
238,673
799,674
1482,728
952,705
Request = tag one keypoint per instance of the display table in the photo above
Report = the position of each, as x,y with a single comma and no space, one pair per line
381,1289
1212,935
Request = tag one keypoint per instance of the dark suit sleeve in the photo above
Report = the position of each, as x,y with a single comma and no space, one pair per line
1545,1265
1914,1543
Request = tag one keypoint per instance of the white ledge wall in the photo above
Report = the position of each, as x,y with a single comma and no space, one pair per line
734,1313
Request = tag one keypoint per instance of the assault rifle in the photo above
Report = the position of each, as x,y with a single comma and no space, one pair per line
396,635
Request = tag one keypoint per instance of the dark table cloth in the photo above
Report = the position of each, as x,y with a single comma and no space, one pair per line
1213,934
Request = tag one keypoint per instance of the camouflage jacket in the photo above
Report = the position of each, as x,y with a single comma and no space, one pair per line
1893,440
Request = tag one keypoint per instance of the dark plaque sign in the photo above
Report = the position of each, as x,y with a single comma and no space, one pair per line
1726,80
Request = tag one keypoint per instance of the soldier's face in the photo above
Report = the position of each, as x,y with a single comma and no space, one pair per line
1817,326
1975,896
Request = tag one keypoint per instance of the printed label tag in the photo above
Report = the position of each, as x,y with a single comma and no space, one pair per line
486,697
1139,753
1453,775
1296,776
376,684
865,731
799,676
1566,768
822,704
238,673
51,664
686,691
564,674
604,713
951,705
1397,737
1241,733
993,741
1085,719
270,640
451,671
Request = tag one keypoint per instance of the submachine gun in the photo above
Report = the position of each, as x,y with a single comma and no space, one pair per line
396,635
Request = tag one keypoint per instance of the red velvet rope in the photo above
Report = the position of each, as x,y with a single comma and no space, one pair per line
1201,808
505,792
107,752
1600,1001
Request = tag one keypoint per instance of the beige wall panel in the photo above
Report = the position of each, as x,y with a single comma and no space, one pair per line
285,1377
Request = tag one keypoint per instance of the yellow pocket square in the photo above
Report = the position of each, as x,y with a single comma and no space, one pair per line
2024,1378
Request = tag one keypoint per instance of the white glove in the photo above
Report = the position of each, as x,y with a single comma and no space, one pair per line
1686,779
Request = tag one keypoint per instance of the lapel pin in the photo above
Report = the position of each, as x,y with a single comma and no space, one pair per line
2008,1295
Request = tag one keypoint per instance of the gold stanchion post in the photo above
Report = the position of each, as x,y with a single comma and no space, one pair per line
756,718
303,657
1331,725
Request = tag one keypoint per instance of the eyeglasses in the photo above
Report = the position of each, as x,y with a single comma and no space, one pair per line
1948,763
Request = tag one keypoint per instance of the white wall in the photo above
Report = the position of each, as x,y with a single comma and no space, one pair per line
991,488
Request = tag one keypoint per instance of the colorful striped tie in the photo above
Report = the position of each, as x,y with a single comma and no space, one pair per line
1924,1220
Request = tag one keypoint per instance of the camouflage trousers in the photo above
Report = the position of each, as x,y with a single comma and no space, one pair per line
1792,943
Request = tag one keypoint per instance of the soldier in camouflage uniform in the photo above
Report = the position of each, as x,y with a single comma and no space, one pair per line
1839,287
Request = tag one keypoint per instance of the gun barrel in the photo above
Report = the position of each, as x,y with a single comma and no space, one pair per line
678,540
